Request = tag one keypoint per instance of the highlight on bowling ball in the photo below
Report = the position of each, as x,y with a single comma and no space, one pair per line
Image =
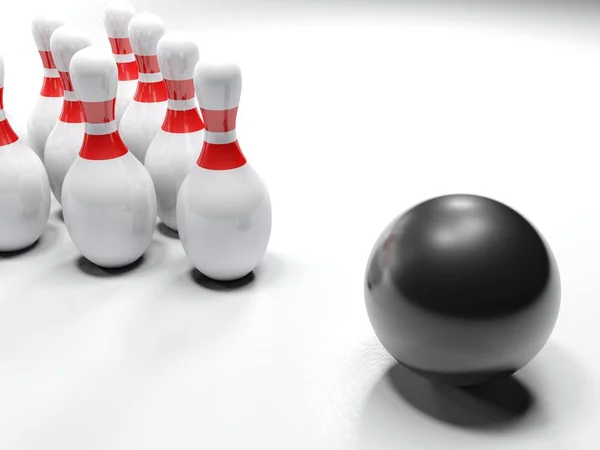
462,290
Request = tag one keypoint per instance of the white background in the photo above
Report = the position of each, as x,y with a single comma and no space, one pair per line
352,112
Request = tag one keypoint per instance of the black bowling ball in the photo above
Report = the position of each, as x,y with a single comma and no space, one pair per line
462,289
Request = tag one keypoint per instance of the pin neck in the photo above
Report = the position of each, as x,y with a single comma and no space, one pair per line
7,134
148,64
65,79
220,121
51,87
99,113
101,139
182,114
180,89
181,94
221,156
151,87
127,68
47,59
181,105
182,121
150,92
127,71
221,150
120,46
99,147
51,84
71,110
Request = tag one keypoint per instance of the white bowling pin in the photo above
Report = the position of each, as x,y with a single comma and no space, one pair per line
117,15
223,206
145,114
108,199
65,140
24,187
49,103
176,146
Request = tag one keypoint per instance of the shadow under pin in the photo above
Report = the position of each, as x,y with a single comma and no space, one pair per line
44,243
88,267
166,231
15,253
216,285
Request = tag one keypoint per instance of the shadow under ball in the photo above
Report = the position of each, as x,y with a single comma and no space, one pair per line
462,289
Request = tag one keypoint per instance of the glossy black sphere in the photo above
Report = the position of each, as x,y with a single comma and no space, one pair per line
462,289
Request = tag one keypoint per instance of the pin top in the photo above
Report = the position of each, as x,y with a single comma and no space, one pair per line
117,15
94,75
145,30
177,56
64,43
42,28
1,71
218,86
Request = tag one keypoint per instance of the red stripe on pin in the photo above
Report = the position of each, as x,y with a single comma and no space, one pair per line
99,112
180,89
147,64
120,46
221,156
72,112
66,81
47,60
102,146
52,87
151,92
219,121
7,134
188,121
127,71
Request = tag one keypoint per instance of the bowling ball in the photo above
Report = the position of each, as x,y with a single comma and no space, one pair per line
462,289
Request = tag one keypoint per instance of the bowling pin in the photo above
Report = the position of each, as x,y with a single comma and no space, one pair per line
145,114
176,146
64,142
108,199
49,103
24,187
223,206
117,15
